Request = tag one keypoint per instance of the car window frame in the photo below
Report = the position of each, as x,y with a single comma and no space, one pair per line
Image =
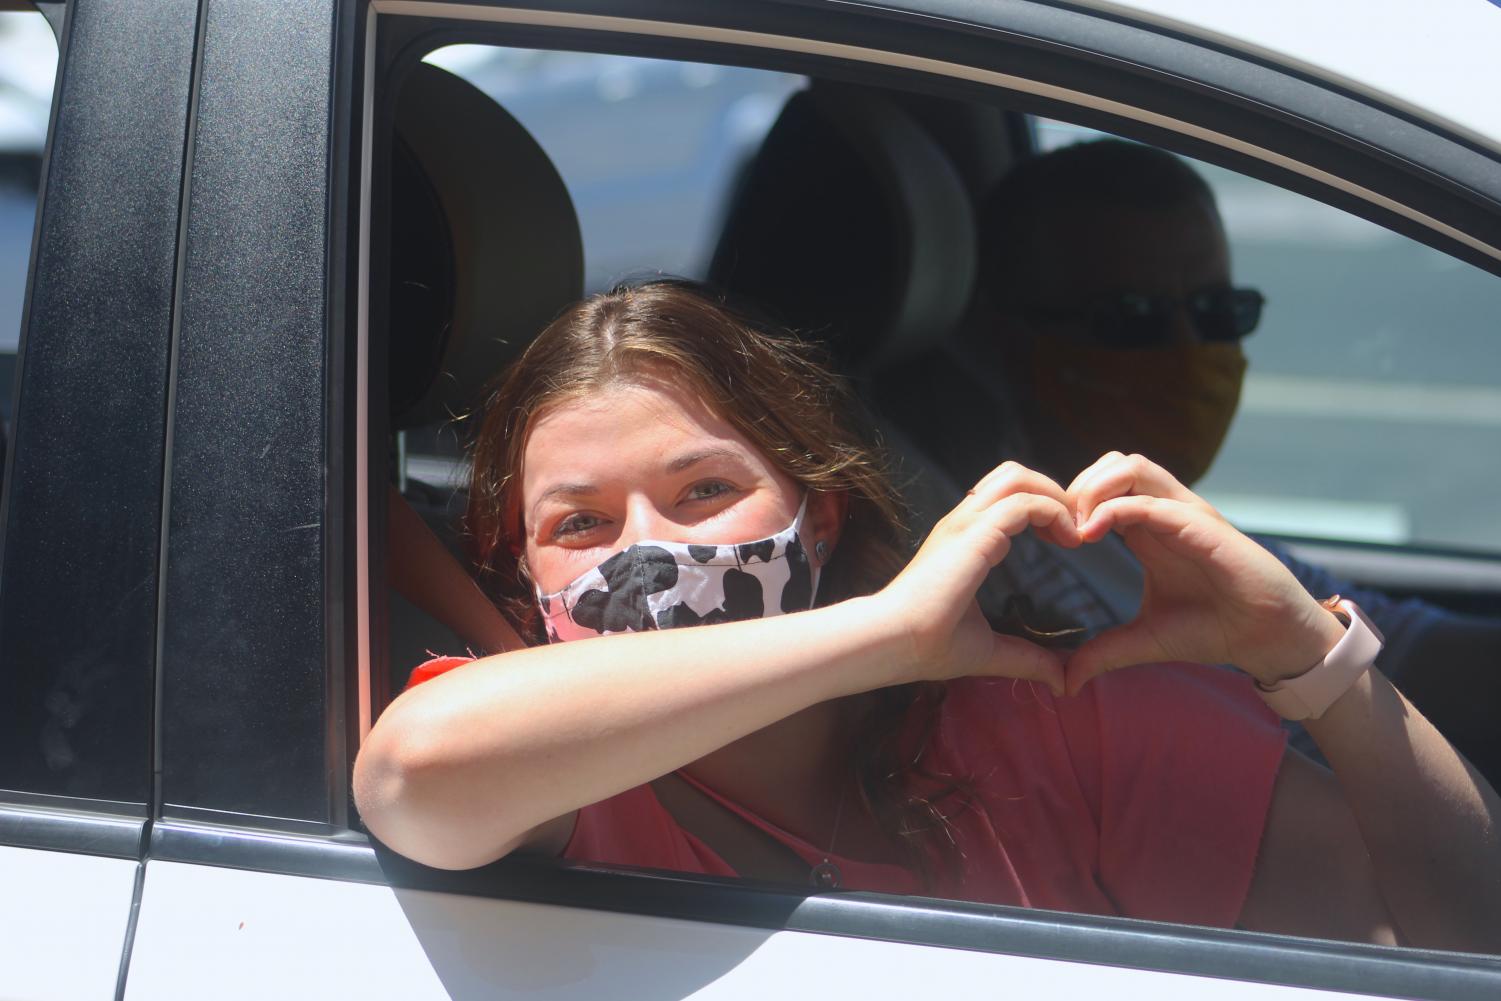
881,49
250,635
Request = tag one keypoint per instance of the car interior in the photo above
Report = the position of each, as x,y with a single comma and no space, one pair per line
849,218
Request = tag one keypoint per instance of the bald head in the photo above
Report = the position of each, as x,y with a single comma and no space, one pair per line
1106,274
1096,218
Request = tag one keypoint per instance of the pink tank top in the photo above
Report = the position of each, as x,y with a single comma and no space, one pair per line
1145,796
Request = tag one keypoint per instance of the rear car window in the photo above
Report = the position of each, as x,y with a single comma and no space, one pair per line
28,64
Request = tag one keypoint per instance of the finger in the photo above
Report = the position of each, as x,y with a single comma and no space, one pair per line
1123,646
1084,474
1106,462
974,542
1155,514
1014,657
1061,531
1117,475
1013,515
1011,478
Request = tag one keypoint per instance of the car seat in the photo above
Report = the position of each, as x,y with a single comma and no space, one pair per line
852,225
485,252
980,139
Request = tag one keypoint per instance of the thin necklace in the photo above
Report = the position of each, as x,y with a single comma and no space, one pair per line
825,875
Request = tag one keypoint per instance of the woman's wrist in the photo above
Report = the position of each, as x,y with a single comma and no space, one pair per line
1308,646
893,646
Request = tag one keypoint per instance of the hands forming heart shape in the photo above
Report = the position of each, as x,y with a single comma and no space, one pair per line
1211,594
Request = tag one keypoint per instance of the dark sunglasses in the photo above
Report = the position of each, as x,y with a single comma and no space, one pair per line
1137,320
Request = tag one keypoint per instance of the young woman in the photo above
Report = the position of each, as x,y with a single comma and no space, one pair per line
845,716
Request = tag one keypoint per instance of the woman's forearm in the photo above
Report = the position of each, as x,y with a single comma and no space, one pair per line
1428,819
461,767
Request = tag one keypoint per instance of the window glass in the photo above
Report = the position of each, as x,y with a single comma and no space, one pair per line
1373,395
28,64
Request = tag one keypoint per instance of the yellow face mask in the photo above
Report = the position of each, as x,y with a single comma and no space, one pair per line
1172,404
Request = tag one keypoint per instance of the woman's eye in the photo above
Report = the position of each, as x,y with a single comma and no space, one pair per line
707,490
576,524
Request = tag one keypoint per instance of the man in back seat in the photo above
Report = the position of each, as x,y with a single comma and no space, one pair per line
1108,307
1108,321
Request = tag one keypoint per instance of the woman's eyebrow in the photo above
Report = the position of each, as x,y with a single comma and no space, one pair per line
698,455
564,490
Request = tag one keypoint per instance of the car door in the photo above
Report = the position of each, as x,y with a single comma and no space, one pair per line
259,675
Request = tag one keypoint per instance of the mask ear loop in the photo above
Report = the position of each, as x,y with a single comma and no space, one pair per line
815,554
529,586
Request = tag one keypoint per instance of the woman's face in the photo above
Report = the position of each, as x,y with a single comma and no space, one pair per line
645,460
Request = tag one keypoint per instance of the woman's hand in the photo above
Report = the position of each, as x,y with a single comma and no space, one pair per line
934,597
1211,595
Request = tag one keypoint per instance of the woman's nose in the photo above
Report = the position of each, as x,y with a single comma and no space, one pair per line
644,521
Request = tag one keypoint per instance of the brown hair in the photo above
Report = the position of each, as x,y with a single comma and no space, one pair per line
777,391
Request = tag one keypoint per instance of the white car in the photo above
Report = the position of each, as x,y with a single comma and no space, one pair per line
279,242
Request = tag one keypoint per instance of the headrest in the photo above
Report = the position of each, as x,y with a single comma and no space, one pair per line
485,245
976,137
852,226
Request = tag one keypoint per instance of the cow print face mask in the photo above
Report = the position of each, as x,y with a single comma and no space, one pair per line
662,585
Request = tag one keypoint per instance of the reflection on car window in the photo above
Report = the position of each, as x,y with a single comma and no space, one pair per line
1375,354
649,148
28,63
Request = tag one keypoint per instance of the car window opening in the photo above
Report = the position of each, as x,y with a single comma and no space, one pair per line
978,323
28,65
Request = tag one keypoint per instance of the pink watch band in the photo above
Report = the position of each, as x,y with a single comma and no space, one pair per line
1313,691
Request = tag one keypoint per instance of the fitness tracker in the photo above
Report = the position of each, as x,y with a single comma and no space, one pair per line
1313,691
